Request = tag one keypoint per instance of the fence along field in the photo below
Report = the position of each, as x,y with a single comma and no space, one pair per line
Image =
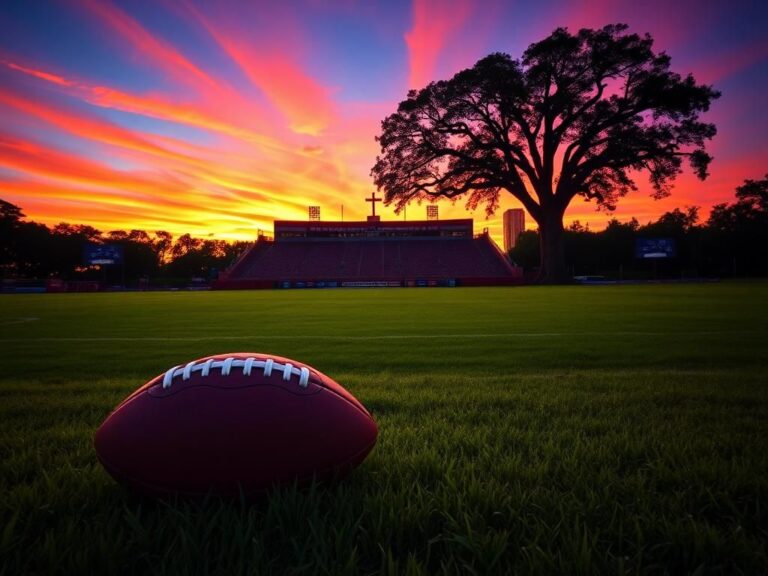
614,429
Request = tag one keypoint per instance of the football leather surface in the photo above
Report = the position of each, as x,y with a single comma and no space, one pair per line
232,424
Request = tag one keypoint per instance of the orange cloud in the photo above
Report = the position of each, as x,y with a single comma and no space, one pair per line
42,161
85,126
434,24
59,192
213,192
90,191
283,163
51,205
171,110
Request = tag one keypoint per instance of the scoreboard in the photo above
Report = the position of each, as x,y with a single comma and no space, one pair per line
103,254
648,248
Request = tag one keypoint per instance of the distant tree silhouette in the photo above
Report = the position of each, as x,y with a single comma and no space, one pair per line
199,258
66,247
185,244
29,250
739,230
9,213
575,117
675,222
749,210
77,230
618,244
139,256
526,253
10,216
163,243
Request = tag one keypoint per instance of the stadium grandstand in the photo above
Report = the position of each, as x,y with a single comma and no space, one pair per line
306,254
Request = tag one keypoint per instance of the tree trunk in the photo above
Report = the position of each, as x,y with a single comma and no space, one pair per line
552,270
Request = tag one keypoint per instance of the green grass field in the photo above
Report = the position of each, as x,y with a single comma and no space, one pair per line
536,430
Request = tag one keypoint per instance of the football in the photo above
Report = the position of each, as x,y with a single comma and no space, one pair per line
233,424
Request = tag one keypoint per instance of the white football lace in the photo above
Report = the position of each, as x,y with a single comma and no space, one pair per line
226,365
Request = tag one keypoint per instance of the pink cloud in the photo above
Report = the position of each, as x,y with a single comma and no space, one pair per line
682,20
88,126
306,103
434,25
158,52
41,74
234,118
730,62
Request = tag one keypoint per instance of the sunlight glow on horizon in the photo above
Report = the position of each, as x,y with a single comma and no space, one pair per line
194,119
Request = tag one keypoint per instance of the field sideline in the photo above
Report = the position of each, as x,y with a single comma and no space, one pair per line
535,430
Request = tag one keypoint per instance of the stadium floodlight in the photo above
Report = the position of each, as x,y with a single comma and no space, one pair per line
314,213
432,212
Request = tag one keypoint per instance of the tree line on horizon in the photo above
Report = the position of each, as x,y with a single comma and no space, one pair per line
31,250
732,242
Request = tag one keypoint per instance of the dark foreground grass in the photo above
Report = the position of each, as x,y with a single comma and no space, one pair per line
606,430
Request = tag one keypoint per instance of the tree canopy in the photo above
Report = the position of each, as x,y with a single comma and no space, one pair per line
30,250
749,211
578,115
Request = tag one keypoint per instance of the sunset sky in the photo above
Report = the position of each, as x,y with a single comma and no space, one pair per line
216,118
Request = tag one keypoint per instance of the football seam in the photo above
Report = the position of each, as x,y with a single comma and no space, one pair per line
267,366
226,364
361,408
169,394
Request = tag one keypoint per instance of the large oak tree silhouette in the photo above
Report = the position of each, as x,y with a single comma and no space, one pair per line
578,115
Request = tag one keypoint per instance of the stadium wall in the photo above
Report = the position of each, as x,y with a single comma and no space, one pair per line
252,284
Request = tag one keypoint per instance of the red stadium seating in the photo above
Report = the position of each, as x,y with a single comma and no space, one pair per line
401,261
